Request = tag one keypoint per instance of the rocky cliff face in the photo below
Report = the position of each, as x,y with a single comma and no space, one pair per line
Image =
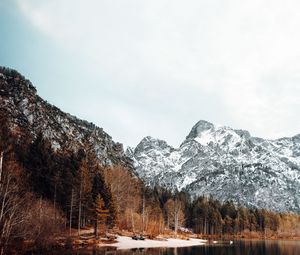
27,115
226,163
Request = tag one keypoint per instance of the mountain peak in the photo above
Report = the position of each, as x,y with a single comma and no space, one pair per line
16,80
199,128
150,142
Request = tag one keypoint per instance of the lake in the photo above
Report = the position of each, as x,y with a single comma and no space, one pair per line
237,248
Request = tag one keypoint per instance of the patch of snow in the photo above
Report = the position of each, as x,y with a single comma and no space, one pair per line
205,137
55,145
124,242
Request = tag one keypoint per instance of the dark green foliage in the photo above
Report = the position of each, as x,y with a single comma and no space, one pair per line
100,188
211,217
54,175
39,163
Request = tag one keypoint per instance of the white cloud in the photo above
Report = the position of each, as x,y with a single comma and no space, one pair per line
244,55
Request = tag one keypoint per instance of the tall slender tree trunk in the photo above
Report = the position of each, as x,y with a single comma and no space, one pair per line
54,203
1,163
79,209
175,217
96,228
71,212
143,214
84,218
132,221
4,198
40,215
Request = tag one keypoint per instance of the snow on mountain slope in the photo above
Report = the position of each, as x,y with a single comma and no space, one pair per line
226,163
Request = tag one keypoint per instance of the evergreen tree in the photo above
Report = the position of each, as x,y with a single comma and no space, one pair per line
228,225
39,163
99,188
100,213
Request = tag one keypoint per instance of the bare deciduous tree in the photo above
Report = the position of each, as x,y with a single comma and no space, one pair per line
22,216
175,214
126,190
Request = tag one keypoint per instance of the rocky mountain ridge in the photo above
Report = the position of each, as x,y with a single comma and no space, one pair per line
27,115
227,164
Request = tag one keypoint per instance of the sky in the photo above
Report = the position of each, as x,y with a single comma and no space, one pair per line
156,67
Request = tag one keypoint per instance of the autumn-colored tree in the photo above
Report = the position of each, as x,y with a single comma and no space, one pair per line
175,214
126,195
101,215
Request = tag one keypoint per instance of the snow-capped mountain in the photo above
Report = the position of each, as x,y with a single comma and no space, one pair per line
226,163
27,115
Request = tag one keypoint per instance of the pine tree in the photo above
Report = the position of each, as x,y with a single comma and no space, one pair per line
99,188
252,221
38,162
101,214
228,225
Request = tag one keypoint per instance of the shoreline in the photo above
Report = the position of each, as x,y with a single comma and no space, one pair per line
124,243
127,243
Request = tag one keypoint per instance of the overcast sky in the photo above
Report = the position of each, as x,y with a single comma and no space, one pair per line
156,67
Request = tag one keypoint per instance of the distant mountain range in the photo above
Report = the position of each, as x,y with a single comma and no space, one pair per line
227,164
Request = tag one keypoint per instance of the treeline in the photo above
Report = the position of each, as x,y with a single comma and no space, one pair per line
209,216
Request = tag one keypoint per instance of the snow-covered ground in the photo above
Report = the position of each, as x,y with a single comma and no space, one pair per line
124,242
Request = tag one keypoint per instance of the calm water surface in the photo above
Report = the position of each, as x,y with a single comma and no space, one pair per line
237,248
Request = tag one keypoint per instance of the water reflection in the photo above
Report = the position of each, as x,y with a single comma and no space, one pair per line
237,248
